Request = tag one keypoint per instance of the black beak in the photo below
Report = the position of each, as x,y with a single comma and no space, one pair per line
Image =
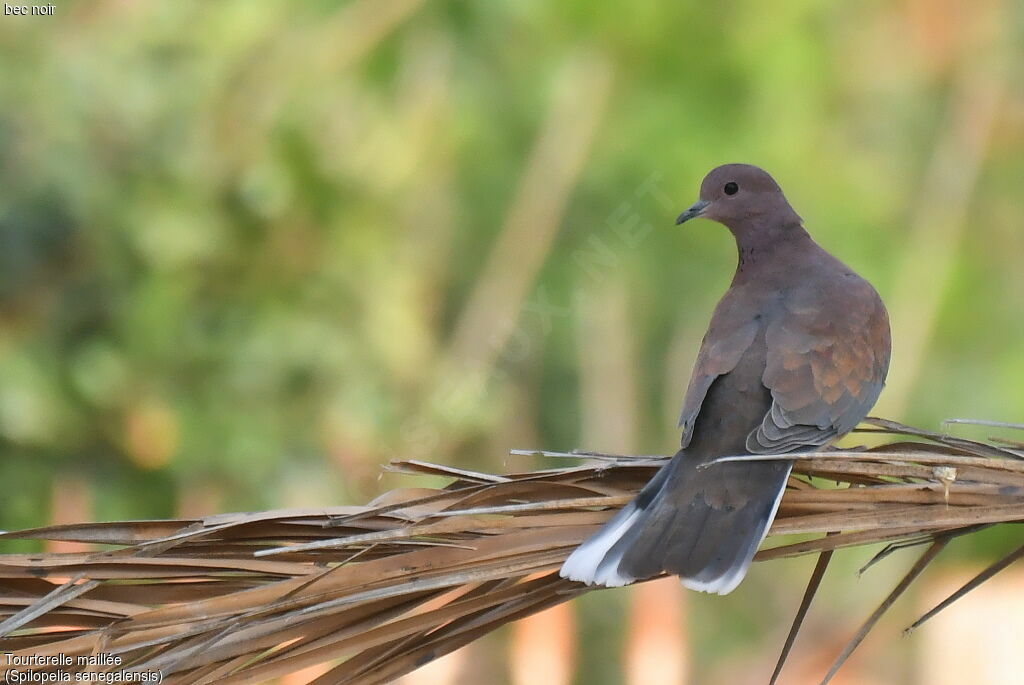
693,212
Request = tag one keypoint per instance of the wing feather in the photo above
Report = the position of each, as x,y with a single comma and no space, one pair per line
824,371
724,344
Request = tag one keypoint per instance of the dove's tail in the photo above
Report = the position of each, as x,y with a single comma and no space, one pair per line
701,524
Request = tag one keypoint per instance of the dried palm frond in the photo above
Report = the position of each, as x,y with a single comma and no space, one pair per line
379,590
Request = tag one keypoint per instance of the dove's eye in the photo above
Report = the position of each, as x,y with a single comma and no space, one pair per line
731,188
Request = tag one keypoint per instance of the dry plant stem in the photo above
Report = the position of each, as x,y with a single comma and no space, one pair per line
995,568
812,588
983,422
912,574
911,542
59,596
384,588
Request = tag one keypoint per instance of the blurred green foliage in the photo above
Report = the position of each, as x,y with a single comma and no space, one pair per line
238,240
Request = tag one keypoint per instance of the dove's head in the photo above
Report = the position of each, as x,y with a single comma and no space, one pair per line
740,196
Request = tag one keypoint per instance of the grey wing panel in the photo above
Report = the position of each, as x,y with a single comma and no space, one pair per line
719,354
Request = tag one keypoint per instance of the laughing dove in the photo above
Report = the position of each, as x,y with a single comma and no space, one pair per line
795,356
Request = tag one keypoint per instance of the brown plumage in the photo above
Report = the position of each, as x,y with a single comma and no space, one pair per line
795,355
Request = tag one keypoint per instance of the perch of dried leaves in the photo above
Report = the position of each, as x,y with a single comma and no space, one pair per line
381,589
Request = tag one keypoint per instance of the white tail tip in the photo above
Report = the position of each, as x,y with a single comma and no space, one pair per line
589,563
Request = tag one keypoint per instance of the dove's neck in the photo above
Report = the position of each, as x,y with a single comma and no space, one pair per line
771,245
